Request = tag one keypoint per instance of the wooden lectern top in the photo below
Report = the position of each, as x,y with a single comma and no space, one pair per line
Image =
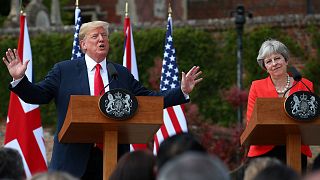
84,123
269,125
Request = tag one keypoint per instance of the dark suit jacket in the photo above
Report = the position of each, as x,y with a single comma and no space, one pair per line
71,78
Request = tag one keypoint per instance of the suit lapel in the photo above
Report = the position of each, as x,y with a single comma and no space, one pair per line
83,76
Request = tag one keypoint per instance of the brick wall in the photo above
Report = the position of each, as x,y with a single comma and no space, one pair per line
205,9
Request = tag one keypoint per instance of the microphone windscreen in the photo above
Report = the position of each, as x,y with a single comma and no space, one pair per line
295,73
112,70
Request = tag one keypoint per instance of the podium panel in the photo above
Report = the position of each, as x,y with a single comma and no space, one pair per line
270,125
84,123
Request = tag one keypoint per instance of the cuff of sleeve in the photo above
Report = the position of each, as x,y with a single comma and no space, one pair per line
186,96
15,82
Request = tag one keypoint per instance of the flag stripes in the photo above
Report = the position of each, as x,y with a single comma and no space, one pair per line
173,117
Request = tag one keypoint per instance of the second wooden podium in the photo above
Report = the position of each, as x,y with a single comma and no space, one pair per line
270,125
84,123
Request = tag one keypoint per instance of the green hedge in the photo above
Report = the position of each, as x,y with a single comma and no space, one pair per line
215,53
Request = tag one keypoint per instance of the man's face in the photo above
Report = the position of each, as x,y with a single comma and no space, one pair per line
96,44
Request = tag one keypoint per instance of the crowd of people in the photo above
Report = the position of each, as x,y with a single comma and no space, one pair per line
180,157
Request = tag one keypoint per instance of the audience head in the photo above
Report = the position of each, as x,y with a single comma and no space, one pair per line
258,164
176,145
54,175
136,165
316,163
277,172
194,165
11,166
314,175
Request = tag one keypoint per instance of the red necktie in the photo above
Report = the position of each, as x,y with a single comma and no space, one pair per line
98,83
98,86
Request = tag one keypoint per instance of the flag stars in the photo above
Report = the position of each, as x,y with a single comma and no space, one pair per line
170,38
173,51
168,74
166,82
165,54
164,62
170,66
168,46
175,78
172,58
78,54
176,70
172,85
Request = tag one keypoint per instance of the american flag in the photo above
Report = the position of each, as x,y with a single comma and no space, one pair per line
173,117
76,52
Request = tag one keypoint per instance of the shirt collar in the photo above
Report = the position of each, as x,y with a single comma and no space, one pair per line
91,63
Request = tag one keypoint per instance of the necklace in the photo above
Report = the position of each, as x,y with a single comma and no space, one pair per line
285,88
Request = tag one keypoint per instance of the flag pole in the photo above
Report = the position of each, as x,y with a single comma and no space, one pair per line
169,10
77,3
126,10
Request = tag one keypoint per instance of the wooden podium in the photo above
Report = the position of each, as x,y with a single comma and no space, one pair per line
84,123
270,125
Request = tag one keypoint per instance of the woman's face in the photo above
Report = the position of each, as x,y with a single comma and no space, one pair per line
276,65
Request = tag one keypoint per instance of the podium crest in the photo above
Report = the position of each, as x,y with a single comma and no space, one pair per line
303,105
118,104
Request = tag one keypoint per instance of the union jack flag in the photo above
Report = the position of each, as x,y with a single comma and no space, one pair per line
173,117
24,130
76,52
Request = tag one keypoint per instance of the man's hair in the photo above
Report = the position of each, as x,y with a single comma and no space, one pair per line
54,175
87,27
11,166
277,172
136,165
176,145
194,165
258,164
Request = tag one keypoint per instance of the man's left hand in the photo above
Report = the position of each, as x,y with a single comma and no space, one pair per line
190,79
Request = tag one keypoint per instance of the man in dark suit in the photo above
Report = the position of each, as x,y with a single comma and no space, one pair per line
77,77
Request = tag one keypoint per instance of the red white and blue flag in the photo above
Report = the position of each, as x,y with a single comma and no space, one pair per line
76,52
24,130
174,121
129,61
129,56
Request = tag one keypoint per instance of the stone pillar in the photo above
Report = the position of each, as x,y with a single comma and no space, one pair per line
55,13
120,10
160,9
37,14
13,17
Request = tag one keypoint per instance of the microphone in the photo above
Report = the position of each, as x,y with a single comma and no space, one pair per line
112,71
295,73
113,74
297,77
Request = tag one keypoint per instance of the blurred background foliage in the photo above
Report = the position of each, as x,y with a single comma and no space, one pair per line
214,52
